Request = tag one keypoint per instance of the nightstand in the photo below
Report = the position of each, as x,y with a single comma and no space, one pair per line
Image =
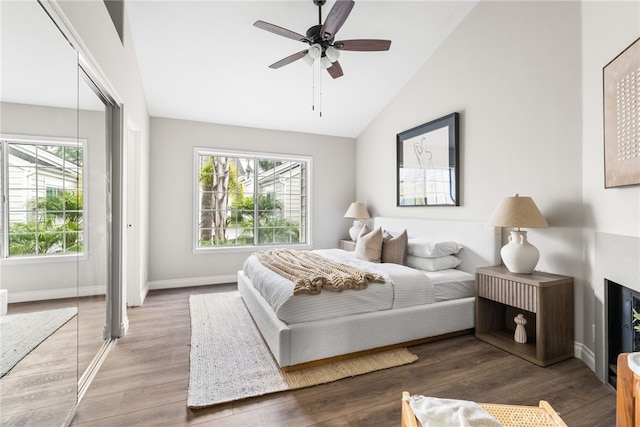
546,300
347,245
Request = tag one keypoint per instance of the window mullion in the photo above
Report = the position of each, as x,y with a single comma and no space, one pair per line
4,196
36,209
256,173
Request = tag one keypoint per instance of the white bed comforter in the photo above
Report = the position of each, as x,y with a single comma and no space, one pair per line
403,287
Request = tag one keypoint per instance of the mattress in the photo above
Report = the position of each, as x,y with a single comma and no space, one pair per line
452,284
403,287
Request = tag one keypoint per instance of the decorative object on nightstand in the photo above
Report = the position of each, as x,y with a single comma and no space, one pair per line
519,256
520,336
356,211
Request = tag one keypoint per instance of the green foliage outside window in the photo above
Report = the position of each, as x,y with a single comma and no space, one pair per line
271,228
58,228
227,215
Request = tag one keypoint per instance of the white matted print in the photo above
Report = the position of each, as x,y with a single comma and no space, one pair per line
621,79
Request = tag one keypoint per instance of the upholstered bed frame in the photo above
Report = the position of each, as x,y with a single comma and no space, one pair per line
301,343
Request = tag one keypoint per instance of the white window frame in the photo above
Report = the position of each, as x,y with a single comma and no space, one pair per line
8,139
207,151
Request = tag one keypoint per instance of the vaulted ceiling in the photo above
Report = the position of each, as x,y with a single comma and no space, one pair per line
205,61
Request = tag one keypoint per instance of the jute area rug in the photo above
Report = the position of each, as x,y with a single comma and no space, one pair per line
230,361
21,333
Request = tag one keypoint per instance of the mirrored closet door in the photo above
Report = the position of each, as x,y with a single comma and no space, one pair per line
55,234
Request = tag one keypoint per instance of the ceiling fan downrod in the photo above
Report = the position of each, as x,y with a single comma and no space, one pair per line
319,3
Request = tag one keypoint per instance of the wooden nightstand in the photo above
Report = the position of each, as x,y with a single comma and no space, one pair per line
546,300
347,245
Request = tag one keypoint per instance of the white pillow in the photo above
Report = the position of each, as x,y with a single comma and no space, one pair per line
433,264
424,248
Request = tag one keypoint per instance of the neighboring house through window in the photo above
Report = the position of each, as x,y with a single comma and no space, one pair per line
42,200
250,199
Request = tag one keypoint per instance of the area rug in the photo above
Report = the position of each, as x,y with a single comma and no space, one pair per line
230,360
21,333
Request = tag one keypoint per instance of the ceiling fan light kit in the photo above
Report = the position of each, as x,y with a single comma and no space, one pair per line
321,39
332,53
315,51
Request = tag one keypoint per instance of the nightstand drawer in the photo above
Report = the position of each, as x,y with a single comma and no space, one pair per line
515,294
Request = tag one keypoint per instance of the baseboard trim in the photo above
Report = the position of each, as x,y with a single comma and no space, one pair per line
191,281
83,291
585,354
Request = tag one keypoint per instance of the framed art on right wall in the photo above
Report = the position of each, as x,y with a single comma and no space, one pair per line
621,80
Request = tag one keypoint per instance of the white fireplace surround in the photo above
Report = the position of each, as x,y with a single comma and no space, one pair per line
617,258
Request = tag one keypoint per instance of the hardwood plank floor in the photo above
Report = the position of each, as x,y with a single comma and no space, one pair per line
42,389
145,378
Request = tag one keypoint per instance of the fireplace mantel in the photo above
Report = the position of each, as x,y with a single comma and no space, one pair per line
618,259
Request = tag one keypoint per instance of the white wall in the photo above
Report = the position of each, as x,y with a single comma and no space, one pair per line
172,262
117,63
613,215
527,80
513,71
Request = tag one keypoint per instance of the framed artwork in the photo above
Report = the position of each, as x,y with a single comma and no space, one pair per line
621,80
427,160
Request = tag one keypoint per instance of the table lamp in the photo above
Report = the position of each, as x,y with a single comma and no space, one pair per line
357,211
519,256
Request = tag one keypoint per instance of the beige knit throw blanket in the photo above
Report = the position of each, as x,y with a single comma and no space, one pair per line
310,272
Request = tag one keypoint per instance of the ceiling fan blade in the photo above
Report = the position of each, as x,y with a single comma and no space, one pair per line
363,45
335,70
289,59
280,31
336,17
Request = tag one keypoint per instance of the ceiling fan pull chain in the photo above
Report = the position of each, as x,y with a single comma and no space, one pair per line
313,88
320,85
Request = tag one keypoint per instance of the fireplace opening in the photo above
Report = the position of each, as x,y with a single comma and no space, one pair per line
622,302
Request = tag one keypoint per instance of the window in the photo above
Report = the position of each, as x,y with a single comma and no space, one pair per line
252,199
41,182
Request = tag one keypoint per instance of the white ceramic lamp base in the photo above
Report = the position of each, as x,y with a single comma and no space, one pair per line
355,229
520,256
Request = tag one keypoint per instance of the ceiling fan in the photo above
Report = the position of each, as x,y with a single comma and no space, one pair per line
321,39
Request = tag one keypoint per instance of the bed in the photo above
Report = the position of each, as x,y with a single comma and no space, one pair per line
296,342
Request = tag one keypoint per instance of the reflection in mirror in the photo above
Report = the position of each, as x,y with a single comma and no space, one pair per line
38,124
93,267
53,221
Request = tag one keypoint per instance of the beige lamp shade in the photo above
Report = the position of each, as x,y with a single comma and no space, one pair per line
357,210
517,211
519,256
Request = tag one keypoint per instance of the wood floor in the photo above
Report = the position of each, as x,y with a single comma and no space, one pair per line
144,381
42,389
